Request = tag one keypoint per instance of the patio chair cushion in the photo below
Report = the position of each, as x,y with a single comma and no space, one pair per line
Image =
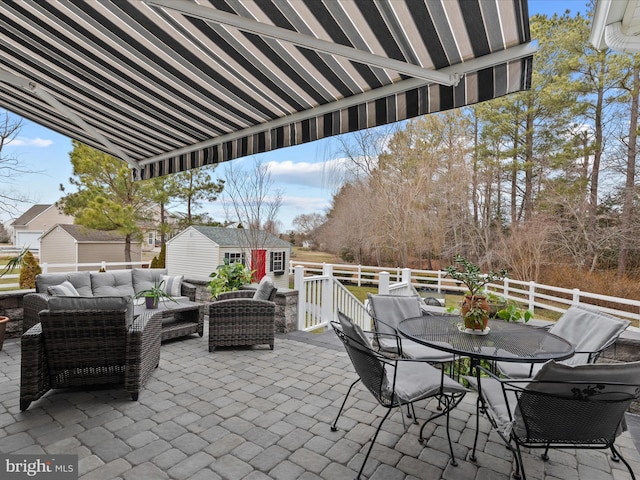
145,278
416,380
599,376
106,303
494,399
172,284
65,289
116,283
587,329
353,330
81,281
391,309
265,287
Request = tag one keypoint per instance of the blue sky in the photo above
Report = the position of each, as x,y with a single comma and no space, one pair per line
305,174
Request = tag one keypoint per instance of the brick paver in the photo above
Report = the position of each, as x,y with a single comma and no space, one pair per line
252,414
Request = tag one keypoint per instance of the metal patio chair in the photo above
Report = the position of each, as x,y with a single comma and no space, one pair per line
389,310
563,406
395,382
590,331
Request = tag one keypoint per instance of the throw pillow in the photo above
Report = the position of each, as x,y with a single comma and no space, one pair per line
172,284
264,289
65,289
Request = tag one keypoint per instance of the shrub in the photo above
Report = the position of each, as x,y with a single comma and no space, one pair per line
228,277
29,270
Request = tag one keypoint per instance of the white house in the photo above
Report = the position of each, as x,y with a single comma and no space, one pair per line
198,250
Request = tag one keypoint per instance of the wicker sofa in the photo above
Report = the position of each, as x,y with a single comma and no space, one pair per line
99,284
89,341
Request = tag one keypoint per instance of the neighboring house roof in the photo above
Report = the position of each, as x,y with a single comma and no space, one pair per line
30,214
237,237
83,234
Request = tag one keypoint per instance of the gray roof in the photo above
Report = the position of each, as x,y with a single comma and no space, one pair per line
237,237
83,234
30,214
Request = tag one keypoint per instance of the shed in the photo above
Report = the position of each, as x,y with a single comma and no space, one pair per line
73,244
29,227
198,250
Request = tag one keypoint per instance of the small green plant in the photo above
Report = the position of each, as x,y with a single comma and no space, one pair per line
228,277
514,313
469,274
155,293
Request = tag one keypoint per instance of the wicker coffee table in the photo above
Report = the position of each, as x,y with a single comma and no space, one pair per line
178,318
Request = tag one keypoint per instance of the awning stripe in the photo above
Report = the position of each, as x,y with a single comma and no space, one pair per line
172,84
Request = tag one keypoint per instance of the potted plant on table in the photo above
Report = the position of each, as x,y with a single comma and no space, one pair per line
475,309
153,295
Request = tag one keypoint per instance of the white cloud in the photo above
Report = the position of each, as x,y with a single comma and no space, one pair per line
31,142
319,175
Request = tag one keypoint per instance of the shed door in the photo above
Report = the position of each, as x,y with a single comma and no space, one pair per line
259,264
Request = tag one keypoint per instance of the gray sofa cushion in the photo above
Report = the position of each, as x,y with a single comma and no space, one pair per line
80,280
105,303
114,283
144,278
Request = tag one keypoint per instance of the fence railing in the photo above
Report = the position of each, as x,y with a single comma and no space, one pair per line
321,296
533,296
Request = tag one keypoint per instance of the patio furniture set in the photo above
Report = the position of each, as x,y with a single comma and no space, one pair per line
87,328
555,397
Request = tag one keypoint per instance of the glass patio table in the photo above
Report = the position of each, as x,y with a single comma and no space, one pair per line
504,341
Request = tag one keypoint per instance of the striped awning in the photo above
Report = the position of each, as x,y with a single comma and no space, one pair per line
169,85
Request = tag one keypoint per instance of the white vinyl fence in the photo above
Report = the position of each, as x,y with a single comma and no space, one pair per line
322,292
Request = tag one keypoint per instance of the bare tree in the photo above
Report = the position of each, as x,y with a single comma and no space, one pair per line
252,200
11,168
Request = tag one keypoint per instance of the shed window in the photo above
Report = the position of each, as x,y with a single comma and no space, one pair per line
234,257
277,261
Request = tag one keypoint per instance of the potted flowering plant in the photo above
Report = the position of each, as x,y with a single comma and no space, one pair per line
475,309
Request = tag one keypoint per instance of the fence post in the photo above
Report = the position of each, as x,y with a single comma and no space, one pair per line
359,275
439,281
406,278
383,286
532,295
326,302
505,287
576,296
298,284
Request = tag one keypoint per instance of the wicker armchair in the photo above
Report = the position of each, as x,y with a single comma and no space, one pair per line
237,319
70,348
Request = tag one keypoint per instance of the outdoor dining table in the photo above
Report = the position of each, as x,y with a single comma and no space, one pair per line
502,341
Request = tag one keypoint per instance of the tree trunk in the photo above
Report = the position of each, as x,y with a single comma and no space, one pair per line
629,187
127,249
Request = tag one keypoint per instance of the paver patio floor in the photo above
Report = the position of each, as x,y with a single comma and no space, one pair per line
258,414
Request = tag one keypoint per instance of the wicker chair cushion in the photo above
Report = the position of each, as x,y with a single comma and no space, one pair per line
106,303
80,280
117,283
65,289
265,287
144,278
172,284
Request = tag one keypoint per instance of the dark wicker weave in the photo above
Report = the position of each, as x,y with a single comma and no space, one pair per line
33,303
88,347
238,320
